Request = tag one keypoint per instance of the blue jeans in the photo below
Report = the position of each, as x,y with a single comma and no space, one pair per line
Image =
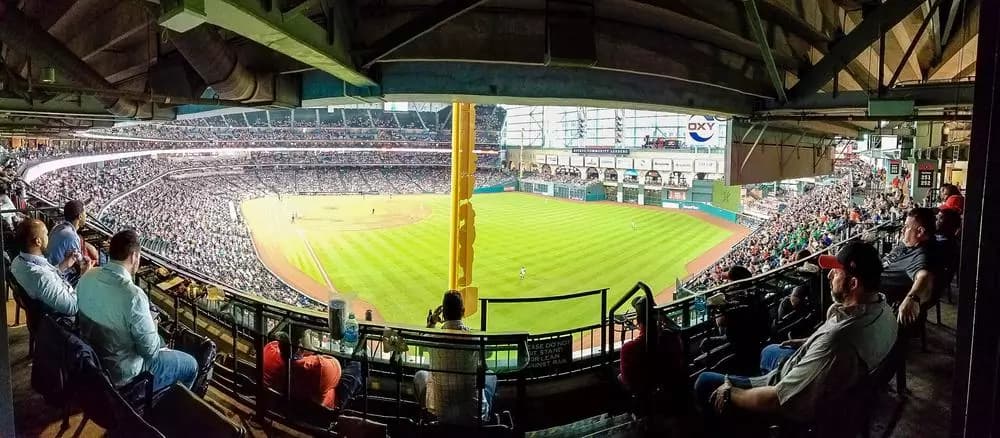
771,357
169,366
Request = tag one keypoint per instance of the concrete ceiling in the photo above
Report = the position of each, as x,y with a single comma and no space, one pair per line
719,56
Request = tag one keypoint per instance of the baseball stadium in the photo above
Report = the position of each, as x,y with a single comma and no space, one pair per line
494,218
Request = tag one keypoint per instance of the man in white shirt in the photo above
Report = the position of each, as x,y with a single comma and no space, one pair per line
41,280
449,392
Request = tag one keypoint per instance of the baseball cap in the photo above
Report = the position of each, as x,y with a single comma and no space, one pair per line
859,260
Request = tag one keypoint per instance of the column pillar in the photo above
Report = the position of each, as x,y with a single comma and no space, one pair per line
976,397
462,227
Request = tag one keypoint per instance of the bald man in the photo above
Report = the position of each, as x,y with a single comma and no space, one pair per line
41,280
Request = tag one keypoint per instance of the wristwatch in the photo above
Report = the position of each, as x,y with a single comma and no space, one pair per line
727,394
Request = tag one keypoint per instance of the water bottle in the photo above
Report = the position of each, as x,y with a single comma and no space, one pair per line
350,334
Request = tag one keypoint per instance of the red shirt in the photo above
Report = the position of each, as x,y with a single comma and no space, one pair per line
667,368
314,377
954,202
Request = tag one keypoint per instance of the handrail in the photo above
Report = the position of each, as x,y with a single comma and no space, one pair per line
543,299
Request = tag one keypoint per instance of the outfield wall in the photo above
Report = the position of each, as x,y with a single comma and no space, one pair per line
704,207
506,186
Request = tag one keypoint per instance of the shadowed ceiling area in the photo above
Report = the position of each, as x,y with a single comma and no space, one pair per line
70,64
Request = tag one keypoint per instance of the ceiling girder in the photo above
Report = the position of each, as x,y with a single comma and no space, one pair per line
882,18
411,30
293,34
757,27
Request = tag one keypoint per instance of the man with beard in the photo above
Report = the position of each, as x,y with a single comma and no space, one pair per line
115,318
807,380
41,280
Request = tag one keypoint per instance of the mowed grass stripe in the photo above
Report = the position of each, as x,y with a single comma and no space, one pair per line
566,247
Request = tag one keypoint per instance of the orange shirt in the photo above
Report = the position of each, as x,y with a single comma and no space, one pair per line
314,377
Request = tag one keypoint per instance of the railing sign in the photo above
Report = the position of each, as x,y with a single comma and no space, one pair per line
549,352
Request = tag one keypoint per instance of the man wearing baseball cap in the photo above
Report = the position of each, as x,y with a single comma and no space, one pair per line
811,384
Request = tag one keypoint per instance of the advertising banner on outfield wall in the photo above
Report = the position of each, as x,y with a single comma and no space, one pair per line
707,166
643,163
540,159
576,160
591,162
551,159
664,164
608,162
564,160
683,166
623,163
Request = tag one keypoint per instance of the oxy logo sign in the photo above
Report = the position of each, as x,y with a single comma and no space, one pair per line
701,128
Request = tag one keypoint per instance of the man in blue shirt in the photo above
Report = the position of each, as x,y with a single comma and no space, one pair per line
115,318
40,279
64,239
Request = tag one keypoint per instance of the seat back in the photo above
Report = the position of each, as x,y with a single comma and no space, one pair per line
104,405
49,375
33,309
181,413
203,350
862,397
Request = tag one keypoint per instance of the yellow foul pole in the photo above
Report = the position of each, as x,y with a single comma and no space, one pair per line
463,227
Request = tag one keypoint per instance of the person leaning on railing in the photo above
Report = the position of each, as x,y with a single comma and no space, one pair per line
317,378
809,380
449,392
643,372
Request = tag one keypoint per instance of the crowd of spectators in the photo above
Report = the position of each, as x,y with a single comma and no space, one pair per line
557,178
191,214
812,220
364,127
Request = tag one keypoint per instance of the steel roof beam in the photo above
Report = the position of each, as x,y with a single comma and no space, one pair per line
931,95
879,20
518,84
649,14
757,28
776,13
913,44
292,34
444,12
960,50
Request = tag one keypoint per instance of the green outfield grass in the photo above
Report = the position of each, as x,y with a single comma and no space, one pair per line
396,259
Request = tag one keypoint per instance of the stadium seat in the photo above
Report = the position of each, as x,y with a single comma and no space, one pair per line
181,413
863,398
106,406
203,350
33,310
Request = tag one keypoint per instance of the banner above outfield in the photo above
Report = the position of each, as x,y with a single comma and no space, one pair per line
610,131
602,151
